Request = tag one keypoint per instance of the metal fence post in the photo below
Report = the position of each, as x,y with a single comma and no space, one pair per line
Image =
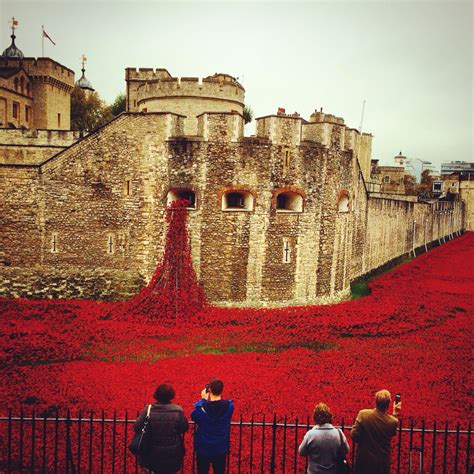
273,454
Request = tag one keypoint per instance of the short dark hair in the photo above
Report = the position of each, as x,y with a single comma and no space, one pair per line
164,393
216,386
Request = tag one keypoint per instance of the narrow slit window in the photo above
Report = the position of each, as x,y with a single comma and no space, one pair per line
110,244
286,251
54,243
59,120
127,187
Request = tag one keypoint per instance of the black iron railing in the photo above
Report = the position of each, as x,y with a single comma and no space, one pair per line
94,443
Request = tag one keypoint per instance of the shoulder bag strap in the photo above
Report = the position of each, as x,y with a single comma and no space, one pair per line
148,411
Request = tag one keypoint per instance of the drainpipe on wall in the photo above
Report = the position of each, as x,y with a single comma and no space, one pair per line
425,221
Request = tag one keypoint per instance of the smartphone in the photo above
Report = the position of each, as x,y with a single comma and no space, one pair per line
398,398
207,388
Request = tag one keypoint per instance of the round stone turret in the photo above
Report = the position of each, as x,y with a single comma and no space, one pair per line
190,97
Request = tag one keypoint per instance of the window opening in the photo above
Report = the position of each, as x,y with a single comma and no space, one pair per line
110,244
54,243
289,201
343,205
182,194
237,201
286,251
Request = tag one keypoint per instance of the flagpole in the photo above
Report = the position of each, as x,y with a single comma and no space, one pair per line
42,40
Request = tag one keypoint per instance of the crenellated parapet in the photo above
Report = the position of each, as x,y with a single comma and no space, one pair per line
325,129
280,129
221,126
43,69
151,90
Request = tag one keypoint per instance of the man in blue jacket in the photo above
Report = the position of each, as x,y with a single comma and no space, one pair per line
212,416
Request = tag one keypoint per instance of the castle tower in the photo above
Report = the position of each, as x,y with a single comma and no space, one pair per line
82,82
151,90
34,93
400,160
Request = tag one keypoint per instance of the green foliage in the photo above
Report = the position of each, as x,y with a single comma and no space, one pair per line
359,290
118,105
248,114
88,111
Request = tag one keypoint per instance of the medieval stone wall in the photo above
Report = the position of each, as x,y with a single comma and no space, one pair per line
33,146
96,212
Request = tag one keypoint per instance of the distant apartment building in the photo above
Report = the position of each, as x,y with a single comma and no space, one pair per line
450,167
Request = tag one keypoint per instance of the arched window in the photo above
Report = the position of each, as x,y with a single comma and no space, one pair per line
343,203
15,82
181,193
22,85
28,89
237,200
289,202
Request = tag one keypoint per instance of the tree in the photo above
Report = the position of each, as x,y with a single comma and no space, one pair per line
118,105
409,182
88,111
248,114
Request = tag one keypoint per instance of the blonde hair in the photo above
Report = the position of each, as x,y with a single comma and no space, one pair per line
322,414
383,399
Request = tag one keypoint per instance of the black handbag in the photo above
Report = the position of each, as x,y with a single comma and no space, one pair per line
343,466
141,441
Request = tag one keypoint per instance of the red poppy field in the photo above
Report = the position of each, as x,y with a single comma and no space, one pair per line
411,335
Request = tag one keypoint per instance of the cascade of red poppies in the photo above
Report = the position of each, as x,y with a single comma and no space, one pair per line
173,292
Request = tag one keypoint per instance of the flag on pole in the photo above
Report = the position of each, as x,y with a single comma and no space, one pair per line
45,35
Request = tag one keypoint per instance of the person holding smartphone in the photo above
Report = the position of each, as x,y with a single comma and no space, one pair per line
372,431
212,416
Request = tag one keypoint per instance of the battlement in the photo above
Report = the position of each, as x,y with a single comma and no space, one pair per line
220,126
41,67
281,129
59,138
146,74
155,90
320,117
216,87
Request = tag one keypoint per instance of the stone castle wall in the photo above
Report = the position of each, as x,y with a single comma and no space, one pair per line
97,210
33,146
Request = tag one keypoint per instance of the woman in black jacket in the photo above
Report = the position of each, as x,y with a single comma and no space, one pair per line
168,424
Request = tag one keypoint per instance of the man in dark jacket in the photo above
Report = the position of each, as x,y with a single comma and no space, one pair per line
372,431
212,437
168,424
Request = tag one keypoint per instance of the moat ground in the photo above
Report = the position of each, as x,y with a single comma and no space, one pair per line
412,335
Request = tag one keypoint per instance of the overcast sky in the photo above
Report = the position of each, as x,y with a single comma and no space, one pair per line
412,62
